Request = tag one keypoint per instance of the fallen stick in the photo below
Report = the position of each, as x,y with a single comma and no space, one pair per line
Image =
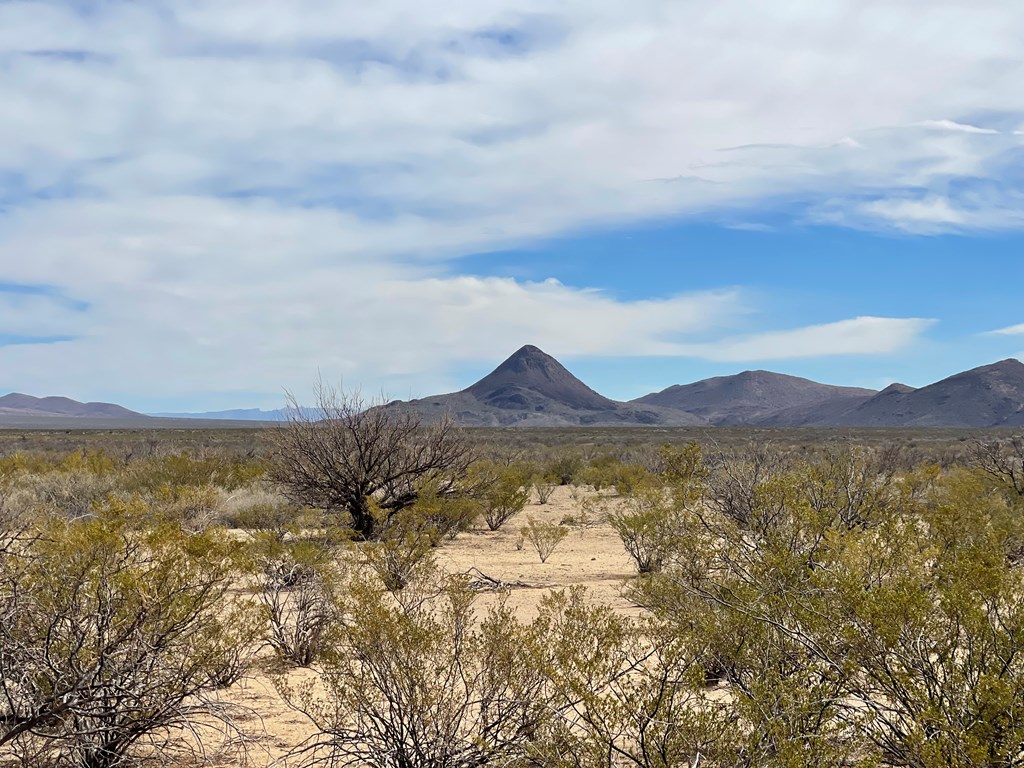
481,582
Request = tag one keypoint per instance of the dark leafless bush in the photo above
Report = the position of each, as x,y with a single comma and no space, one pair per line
1002,460
362,457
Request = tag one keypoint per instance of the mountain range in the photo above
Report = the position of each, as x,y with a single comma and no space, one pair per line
234,414
532,388
17,404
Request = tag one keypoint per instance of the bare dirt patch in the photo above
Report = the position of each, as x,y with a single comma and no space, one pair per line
591,556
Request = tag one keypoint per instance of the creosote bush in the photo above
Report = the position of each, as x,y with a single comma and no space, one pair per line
503,491
297,578
432,682
398,558
116,632
564,468
647,516
856,614
544,485
647,524
543,536
436,515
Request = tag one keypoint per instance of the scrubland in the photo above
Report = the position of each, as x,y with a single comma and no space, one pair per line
550,598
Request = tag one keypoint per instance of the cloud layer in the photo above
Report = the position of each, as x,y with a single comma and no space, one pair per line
230,192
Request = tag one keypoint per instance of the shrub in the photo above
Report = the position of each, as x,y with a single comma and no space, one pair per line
648,518
564,468
276,519
855,619
425,684
114,634
545,486
296,587
503,491
434,514
184,469
365,458
647,524
544,536
599,472
193,506
399,558
70,493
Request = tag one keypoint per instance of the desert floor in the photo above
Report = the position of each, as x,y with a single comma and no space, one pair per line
592,556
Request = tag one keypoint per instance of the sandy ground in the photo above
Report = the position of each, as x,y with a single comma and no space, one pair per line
591,556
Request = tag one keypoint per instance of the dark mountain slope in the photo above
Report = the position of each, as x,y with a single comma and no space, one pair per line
989,396
532,388
758,397
530,378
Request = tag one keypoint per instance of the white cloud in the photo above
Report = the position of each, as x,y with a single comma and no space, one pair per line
952,125
291,293
978,210
916,215
244,191
1013,330
857,336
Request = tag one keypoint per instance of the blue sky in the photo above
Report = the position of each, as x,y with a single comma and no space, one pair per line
796,275
203,204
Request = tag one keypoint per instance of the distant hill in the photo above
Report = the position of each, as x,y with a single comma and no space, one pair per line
531,388
759,397
17,405
236,414
989,396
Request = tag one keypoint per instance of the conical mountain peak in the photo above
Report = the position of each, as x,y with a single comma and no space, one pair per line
529,377
897,388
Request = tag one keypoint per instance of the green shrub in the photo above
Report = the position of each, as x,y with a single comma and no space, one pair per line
115,632
543,536
503,491
564,468
647,523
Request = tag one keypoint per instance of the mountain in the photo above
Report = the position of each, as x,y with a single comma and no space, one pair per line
759,397
236,414
19,405
531,378
533,389
989,396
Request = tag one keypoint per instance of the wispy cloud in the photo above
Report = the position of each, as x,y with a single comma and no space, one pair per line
952,125
932,213
856,336
14,340
1012,330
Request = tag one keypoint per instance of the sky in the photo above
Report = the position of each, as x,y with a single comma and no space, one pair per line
204,204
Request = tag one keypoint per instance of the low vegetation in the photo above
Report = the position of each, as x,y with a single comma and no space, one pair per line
837,604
